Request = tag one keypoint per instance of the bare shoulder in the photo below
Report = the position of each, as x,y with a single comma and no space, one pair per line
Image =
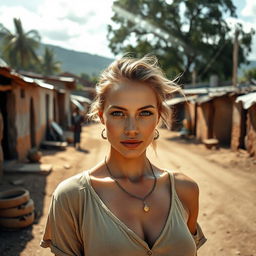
184,182
188,193
187,189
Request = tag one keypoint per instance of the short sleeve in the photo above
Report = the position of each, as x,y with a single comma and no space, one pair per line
199,237
61,230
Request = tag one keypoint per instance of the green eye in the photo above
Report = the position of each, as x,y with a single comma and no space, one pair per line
146,113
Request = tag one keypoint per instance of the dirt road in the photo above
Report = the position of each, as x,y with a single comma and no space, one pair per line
227,184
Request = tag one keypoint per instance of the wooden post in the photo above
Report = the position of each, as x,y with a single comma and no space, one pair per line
194,78
235,58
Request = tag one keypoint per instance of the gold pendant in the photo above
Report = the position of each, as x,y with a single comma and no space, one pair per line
146,207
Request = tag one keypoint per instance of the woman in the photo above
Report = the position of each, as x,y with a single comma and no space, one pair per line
126,205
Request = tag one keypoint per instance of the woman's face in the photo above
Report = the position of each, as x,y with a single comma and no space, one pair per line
130,115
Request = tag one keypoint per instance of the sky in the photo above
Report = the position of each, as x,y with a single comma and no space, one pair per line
81,25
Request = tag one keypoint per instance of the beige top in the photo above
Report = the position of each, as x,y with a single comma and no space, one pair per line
79,223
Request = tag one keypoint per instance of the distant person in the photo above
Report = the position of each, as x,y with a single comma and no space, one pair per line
126,205
77,121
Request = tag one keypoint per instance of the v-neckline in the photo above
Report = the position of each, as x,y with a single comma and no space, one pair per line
123,225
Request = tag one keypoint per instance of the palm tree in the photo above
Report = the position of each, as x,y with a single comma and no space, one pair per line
19,48
49,65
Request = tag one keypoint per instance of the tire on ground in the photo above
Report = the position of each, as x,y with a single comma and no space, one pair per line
19,210
13,197
18,222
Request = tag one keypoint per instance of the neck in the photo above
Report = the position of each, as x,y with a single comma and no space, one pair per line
133,169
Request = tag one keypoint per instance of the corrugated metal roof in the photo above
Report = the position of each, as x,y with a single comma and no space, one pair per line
81,99
37,82
196,98
78,104
208,90
178,100
247,100
220,90
23,80
3,63
205,98
44,85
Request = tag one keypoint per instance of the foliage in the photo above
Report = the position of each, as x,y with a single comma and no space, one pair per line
78,62
94,79
19,48
249,75
185,35
91,78
85,76
79,86
48,63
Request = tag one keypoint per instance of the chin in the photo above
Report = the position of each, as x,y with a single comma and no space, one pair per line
128,153
131,155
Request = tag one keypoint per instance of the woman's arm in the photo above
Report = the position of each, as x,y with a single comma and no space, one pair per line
62,228
188,193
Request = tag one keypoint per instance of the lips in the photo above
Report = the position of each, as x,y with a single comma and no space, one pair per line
131,143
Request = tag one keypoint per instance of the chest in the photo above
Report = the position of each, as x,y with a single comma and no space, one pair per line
129,210
114,224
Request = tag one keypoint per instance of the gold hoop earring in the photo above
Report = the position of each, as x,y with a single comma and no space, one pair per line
102,134
157,134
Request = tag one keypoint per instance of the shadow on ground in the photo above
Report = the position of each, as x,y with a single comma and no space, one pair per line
184,140
13,242
191,140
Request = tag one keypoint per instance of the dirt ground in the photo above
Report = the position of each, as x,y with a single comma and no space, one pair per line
227,182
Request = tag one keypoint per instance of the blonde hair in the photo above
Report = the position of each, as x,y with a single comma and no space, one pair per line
145,70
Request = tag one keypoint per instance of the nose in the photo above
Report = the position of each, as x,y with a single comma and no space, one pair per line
131,128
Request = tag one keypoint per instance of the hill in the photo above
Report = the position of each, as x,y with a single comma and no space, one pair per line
82,62
244,67
78,62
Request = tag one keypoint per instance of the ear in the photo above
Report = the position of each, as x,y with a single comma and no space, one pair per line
100,114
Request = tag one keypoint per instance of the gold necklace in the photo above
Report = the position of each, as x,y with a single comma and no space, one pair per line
143,199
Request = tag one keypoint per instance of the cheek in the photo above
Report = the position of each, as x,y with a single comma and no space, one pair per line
148,127
149,123
113,126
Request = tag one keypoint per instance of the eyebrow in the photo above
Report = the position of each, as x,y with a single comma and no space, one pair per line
118,107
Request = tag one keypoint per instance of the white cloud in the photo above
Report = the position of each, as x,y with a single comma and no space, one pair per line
17,12
247,26
79,25
249,9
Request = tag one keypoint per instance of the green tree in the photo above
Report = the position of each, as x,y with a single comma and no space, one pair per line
85,76
48,63
185,35
19,47
249,75
93,78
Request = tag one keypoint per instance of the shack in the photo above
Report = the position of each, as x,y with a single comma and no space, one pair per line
209,113
63,87
214,118
244,124
26,106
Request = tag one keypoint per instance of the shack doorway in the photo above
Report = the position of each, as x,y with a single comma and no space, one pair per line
243,124
3,125
32,124
61,109
7,108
